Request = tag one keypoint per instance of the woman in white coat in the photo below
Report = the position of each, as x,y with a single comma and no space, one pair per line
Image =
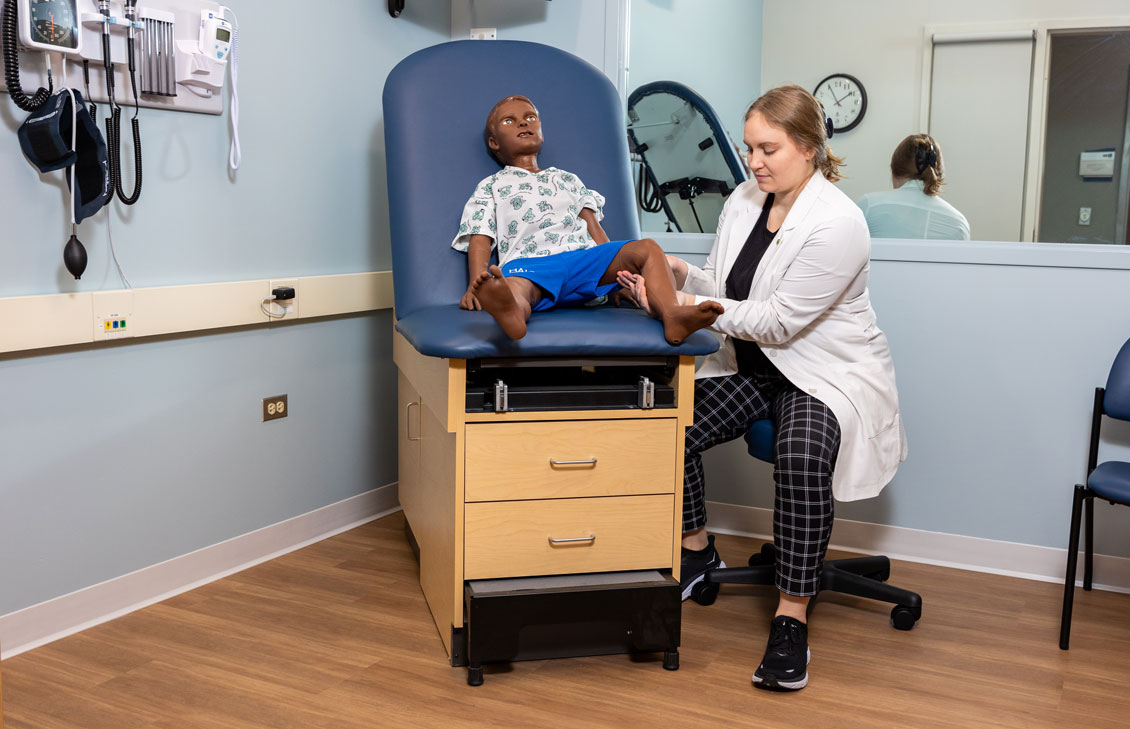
801,347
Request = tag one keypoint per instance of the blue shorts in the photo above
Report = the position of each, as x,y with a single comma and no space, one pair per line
570,278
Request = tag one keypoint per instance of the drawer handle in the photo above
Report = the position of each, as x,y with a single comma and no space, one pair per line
590,538
589,462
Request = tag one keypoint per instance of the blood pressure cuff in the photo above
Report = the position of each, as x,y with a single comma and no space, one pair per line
45,138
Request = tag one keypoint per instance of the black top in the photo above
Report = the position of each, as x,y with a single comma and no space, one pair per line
751,360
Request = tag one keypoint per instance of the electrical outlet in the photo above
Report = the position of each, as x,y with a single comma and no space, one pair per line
1084,216
281,310
275,408
484,34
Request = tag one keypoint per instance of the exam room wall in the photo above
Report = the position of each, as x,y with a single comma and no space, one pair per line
117,457
996,364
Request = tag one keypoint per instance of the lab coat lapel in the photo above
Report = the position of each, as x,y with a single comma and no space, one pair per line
776,256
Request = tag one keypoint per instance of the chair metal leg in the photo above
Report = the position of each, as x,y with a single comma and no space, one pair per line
1089,548
1072,559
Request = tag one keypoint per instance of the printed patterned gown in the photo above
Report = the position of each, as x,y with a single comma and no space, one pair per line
529,214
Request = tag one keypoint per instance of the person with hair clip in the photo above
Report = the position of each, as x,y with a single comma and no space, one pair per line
913,209
800,346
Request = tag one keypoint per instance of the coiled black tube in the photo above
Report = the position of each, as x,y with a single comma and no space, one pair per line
647,194
12,63
113,140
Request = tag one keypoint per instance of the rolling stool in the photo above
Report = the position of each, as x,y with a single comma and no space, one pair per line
859,576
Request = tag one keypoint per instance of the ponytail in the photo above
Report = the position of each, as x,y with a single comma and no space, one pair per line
919,157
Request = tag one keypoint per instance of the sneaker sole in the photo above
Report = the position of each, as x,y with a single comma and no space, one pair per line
772,683
690,588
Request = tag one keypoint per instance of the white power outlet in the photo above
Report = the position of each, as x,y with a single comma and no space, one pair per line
484,34
1084,216
283,309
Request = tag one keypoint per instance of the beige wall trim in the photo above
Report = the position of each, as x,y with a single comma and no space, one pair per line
56,320
1028,561
68,614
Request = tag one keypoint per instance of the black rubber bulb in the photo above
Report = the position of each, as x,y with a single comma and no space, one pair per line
74,257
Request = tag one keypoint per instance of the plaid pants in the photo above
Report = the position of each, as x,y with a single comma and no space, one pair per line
807,441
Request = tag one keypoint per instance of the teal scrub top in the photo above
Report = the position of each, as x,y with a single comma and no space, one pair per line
908,212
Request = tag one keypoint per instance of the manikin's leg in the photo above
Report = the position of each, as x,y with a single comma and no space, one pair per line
646,258
508,299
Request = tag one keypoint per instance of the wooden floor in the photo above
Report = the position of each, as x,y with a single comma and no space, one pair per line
338,635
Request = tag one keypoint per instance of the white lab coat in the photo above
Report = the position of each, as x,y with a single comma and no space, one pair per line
809,310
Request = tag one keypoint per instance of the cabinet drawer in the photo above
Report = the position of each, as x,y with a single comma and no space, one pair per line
513,538
568,459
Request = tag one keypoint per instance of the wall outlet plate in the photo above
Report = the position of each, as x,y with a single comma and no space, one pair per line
1084,216
113,316
275,407
484,34
281,310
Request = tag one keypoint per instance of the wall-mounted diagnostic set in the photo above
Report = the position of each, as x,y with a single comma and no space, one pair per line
146,54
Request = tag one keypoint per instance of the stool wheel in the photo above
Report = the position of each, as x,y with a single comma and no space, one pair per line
474,676
767,555
704,593
903,617
671,660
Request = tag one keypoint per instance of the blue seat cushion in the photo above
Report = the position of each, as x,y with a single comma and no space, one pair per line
1111,480
606,331
760,438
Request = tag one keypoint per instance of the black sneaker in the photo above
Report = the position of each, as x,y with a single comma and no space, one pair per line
696,563
785,664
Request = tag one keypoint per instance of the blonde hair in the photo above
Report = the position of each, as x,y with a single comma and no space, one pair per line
795,110
919,157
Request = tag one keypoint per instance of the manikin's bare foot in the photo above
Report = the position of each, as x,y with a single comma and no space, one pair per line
683,320
498,300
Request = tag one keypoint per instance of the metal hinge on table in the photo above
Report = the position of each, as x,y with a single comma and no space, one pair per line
647,394
501,397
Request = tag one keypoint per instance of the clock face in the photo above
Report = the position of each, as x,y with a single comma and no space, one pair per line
53,23
844,100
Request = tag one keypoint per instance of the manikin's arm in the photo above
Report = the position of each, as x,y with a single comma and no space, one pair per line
597,232
478,258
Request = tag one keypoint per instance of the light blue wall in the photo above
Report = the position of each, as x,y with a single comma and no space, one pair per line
997,349
713,47
576,26
113,458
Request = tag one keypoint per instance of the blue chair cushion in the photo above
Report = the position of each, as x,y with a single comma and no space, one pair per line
435,106
448,331
1111,480
760,438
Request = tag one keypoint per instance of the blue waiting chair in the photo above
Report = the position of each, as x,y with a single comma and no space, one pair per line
859,576
1109,481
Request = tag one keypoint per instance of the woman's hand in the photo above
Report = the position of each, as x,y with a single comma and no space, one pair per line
634,289
470,301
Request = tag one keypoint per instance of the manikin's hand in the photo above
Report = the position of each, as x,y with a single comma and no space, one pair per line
470,301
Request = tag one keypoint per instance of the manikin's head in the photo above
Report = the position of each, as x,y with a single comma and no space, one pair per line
513,129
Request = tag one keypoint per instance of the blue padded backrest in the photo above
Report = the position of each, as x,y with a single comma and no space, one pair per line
1116,401
436,103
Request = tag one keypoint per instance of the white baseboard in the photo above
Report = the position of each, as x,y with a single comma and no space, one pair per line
1028,561
57,618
